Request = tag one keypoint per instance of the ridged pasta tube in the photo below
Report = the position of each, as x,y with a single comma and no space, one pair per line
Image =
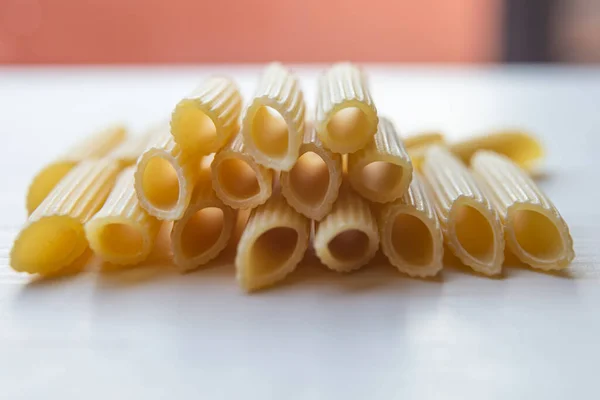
128,152
422,139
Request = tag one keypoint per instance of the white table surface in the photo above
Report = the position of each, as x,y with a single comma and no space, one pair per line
151,333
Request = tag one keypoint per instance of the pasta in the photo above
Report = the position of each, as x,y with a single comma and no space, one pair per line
535,231
204,121
471,227
381,171
410,233
273,243
423,139
347,238
237,179
91,147
273,126
346,118
122,232
311,186
53,237
205,228
130,150
165,178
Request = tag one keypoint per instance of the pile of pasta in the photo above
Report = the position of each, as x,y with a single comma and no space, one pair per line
343,182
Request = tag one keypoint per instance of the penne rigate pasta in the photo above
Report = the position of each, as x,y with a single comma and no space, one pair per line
410,232
53,237
91,147
122,232
423,139
346,117
471,227
347,238
534,229
273,125
382,170
165,178
205,228
204,121
311,186
237,179
128,152
273,243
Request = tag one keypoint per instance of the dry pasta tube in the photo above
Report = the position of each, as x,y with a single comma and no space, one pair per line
273,243
347,238
205,120
53,236
423,139
237,179
410,233
206,227
382,171
520,146
92,147
534,229
471,227
165,178
346,118
122,232
131,149
311,186
273,125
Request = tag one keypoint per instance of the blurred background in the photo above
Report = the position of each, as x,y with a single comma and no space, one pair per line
218,31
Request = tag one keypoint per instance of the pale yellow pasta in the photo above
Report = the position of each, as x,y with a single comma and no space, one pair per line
273,125
471,227
410,232
237,179
131,149
311,186
91,147
122,232
346,117
205,228
534,229
165,178
205,120
423,139
347,238
381,171
53,237
273,243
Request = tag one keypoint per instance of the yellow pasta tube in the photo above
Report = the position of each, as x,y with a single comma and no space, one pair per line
423,139
53,236
534,229
165,178
205,228
91,147
346,117
205,120
273,243
237,179
131,149
311,186
382,171
347,238
410,232
520,146
122,232
471,227
273,125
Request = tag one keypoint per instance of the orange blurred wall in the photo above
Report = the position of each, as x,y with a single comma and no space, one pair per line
187,31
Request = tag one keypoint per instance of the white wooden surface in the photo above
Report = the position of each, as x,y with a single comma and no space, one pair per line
153,334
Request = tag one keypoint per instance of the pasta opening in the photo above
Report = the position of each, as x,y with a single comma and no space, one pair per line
348,124
160,183
381,176
121,239
193,127
412,240
272,249
270,132
474,233
202,231
309,178
350,245
537,235
238,179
